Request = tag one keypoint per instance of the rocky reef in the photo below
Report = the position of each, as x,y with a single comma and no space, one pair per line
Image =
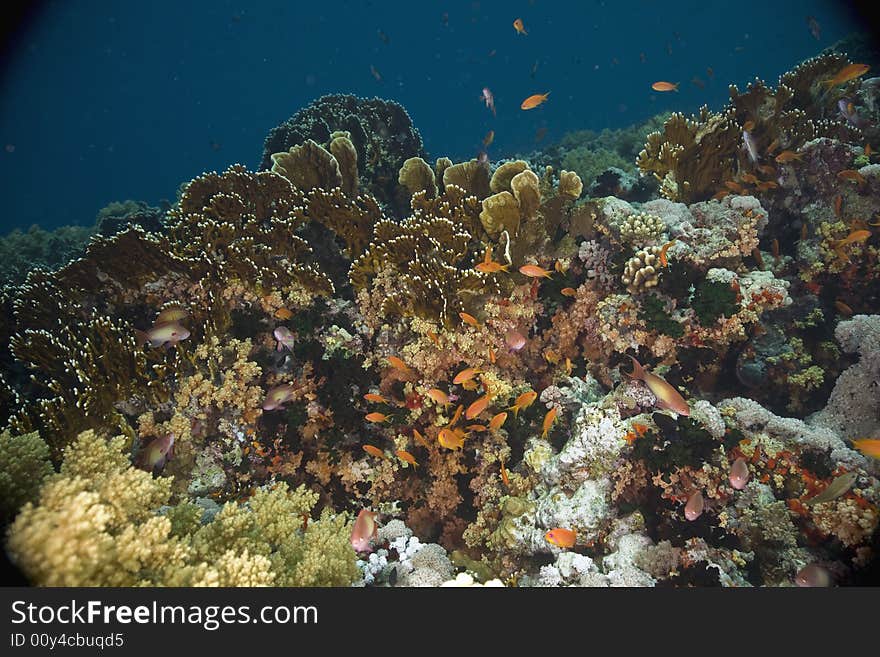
358,366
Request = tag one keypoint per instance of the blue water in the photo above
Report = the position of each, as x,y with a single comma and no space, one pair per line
105,101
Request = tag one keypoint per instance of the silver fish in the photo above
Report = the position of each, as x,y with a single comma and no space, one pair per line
750,146
835,489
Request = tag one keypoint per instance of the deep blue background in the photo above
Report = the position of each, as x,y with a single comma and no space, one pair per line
104,101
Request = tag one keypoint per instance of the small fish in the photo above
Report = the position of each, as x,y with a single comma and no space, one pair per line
710,72
630,437
748,126
767,170
774,248
848,112
465,375
489,99
568,292
451,438
491,267
156,453
843,308
563,538
420,438
667,396
504,474
665,86
534,70
377,417
749,145
764,185
868,446
549,418
749,178
365,530
398,364
697,82
171,315
514,340
372,450
497,421
438,396
284,338
851,175
373,397
523,402
739,474
664,262
838,205
470,320
717,196
694,507
847,73
854,237
475,427
383,37
375,73
787,156
540,133
519,27
837,487
477,407
551,356
734,186
568,366
533,101
868,151
456,416
283,314
491,354
434,338
278,396
773,146
162,335
534,271
813,576
403,455
488,139
641,429
814,27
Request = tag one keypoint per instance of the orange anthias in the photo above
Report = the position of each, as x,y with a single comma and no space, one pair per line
665,86
465,375
549,419
377,417
403,455
534,271
398,364
560,537
523,402
868,446
438,396
374,451
667,396
470,320
519,27
847,73
451,438
497,421
377,399
477,407
533,101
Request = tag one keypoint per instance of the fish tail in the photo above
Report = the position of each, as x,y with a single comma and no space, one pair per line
141,337
638,372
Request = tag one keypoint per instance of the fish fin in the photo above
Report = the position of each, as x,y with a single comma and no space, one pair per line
141,337
638,372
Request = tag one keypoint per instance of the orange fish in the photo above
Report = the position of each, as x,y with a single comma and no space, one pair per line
364,530
630,437
420,438
665,86
854,236
523,402
379,399
403,455
283,314
847,73
438,396
641,429
398,364
477,407
533,101
456,416
519,27
491,267
852,175
568,366
475,427
717,196
773,146
843,308
491,354
774,247
838,205
749,178
489,138
496,422
868,446
451,438
564,538
667,396
548,421
569,292
470,320
374,451
663,260
434,338
465,375
764,185
767,170
748,126
377,417
787,156
868,151
733,186
551,356
534,271
504,474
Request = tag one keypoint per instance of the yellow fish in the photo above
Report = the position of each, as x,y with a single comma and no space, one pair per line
465,375
451,438
868,446
496,422
438,396
667,396
523,402
564,538
548,421
403,455
477,407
